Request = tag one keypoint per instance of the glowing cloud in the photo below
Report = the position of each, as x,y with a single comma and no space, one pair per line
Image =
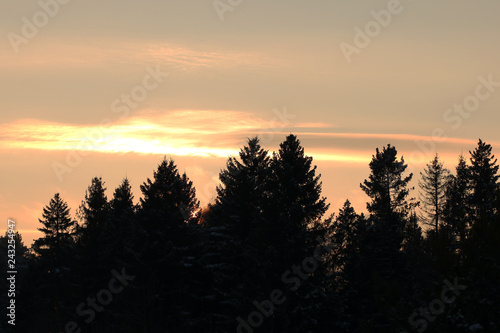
202,133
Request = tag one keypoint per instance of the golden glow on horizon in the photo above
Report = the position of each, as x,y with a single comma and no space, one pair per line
202,133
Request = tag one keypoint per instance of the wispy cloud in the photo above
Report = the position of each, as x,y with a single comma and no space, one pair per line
203,133
96,53
184,133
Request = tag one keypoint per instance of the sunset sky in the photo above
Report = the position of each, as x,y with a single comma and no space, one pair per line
107,88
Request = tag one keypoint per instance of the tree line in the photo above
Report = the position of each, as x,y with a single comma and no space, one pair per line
263,257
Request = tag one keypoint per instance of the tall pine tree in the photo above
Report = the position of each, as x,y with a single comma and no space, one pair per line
58,229
295,201
432,196
169,198
383,261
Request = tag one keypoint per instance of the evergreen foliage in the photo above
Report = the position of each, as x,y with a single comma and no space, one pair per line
263,257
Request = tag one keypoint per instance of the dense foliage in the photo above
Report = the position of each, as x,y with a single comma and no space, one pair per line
263,257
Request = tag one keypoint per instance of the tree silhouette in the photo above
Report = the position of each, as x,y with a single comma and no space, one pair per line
433,186
386,185
484,190
484,181
217,271
382,260
169,199
457,209
94,212
52,266
243,192
58,229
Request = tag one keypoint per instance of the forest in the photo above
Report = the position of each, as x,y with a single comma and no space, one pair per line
265,256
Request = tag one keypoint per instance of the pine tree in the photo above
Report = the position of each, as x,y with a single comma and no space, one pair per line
295,203
169,199
166,238
484,181
386,186
382,258
347,233
240,217
52,267
457,211
433,186
122,221
388,189
484,190
297,186
413,240
293,213
122,203
95,255
243,192
58,229
94,213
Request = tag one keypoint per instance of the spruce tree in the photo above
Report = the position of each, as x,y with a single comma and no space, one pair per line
432,195
94,213
347,235
457,210
122,221
382,258
169,199
484,182
52,268
484,190
243,192
240,218
58,229
295,202
386,186
388,189
166,238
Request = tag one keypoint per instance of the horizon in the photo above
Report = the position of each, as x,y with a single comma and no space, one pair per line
108,92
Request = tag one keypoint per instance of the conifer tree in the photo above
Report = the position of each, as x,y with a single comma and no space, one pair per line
169,198
484,190
386,186
297,186
242,194
388,189
52,267
166,238
94,213
484,181
122,221
432,196
457,211
295,203
58,229
382,258
122,203
347,234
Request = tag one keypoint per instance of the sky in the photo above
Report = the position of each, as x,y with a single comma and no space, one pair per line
108,88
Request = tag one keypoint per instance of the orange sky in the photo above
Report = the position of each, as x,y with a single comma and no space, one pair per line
107,89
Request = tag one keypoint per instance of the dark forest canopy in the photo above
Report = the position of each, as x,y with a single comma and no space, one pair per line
263,257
